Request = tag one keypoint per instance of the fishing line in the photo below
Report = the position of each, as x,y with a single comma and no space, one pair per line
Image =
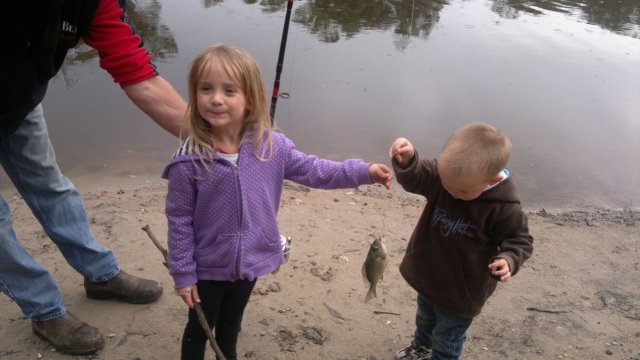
403,113
404,81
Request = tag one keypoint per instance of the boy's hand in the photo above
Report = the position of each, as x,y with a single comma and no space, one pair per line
380,174
500,269
189,295
402,150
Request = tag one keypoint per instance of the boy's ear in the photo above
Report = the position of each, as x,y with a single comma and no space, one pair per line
496,180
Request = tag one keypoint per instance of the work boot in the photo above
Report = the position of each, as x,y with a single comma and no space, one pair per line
125,287
70,335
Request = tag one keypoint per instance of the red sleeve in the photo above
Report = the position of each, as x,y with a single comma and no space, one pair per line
119,47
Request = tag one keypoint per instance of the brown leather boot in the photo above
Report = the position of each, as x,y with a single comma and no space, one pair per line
125,287
70,335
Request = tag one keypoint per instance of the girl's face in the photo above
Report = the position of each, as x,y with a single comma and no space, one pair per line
221,101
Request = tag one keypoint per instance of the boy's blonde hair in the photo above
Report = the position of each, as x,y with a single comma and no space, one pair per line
241,67
477,148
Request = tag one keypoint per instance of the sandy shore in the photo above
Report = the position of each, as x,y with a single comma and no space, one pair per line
578,297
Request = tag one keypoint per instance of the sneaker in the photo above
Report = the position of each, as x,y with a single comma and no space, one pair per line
70,335
125,287
414,352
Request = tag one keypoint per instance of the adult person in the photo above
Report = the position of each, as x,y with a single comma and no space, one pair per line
37,35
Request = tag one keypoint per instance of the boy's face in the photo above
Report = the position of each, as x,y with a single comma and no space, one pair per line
462,187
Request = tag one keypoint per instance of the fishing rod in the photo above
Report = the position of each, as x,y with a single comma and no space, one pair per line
283,45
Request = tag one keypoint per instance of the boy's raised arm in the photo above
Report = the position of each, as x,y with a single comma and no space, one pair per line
402,151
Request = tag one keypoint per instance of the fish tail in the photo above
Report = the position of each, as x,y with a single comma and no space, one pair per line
371,294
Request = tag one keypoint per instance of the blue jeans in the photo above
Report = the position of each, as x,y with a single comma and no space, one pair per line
28,159
443,332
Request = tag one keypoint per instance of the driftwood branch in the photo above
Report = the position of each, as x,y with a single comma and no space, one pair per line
378,312
155,241
201,318
546,310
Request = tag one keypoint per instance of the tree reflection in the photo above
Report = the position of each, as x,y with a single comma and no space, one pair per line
210,3
333,19
157,37
621,16
269,6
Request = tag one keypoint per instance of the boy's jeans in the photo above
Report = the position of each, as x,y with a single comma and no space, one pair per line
28,159
444,333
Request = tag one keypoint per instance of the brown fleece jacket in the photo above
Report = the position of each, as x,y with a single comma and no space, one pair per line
454,241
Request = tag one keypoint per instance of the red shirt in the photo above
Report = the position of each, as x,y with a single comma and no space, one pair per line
119,47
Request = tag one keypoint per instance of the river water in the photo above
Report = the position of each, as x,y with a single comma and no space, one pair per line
560,78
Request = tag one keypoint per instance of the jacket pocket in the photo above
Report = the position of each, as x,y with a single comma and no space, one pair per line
258,246
219,253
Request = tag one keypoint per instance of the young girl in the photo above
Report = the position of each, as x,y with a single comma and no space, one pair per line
225,183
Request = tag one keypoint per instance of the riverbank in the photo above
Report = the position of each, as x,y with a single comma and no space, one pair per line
578,297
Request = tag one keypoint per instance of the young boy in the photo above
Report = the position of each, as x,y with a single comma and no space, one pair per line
472,233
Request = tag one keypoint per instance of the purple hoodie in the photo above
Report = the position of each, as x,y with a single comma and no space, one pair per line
223,218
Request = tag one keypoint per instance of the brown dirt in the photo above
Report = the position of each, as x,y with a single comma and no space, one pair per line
578,297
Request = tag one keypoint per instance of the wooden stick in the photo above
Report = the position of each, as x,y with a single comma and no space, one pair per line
155,241
377,312
203,322
546,311
201,318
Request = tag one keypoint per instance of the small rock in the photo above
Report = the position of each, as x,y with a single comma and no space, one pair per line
274,287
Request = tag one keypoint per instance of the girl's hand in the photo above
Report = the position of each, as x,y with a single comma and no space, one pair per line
380,174
500,269
402,150
189,295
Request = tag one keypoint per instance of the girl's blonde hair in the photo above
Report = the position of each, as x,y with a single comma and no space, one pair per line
477,148
241,67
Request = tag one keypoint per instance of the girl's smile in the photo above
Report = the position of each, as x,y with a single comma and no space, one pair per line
221,100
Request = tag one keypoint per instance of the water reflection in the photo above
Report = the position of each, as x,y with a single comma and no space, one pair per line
269,6
621,16
332,19
210,3
157,37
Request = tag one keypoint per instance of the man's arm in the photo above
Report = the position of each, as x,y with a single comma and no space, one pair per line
160,101
123,56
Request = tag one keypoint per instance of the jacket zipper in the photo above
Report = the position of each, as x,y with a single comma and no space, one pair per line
240,218
236,180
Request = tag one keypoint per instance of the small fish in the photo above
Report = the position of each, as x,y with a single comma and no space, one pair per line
374,266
